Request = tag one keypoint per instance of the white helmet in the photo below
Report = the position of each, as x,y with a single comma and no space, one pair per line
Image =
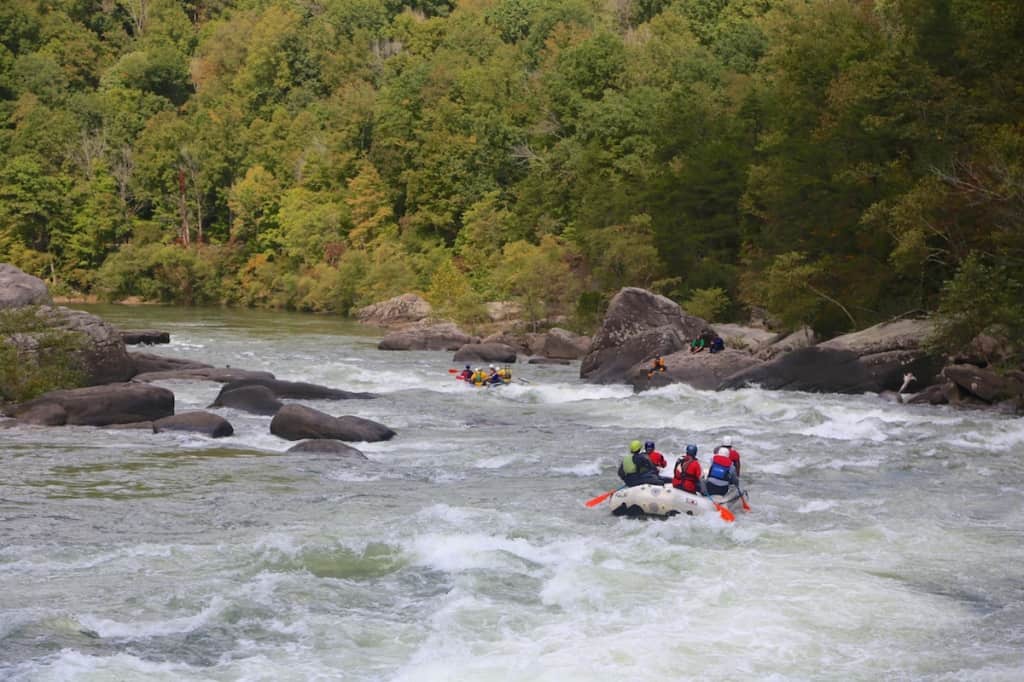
727,441
722,450
491,366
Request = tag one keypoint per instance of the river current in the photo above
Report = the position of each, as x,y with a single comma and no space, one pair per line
884,542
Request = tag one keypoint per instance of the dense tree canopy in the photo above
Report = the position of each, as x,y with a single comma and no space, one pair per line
838,163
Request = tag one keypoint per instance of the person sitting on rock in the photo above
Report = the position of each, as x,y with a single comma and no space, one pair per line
717,344
658,365
702,341
636,468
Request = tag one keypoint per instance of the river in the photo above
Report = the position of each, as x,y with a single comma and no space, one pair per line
884,542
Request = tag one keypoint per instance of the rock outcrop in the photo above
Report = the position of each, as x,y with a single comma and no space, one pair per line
441,336
18,289
638,326
705,371
398,311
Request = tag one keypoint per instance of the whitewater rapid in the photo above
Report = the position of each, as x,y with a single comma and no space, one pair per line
884,541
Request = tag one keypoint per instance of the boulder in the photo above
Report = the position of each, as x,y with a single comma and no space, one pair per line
638,326
932,395
253,398
19,289
983,383
296,422
518,342
815,370
441,336
617,364
801,338
397,311
561,344
96,346
547,361
327,447
485,352
122,403
296,390
149,362
750,339
221,375
206,423
503,311
136,337
905,335
704,371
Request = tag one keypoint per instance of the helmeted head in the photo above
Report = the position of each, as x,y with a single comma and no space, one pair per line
691,450
467,366
491,366
722,450
727,441
649,446
634,447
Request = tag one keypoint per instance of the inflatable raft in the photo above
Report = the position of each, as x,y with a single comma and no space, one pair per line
665,501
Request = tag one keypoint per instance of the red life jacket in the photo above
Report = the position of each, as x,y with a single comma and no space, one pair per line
687,474
719,473
657,459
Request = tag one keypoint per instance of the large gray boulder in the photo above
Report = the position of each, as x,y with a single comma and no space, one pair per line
297,422
560,344
122,403
442,336
801,338
704,371
875,359
638,326
18,289
296,390
397,311
206,423
750,339
983,383
485,352
95,347
253,398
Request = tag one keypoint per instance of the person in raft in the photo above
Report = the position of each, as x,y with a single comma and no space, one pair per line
722,473
636,468
466,374
686,475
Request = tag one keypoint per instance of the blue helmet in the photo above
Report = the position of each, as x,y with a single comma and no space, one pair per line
649,445
467,366
691,450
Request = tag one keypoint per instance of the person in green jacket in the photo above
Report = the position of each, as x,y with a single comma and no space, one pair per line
637,469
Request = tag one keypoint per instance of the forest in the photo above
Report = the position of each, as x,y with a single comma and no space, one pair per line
834,162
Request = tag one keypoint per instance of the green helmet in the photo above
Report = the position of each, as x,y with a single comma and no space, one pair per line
635,446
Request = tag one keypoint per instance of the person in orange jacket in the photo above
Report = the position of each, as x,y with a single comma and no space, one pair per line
687,473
